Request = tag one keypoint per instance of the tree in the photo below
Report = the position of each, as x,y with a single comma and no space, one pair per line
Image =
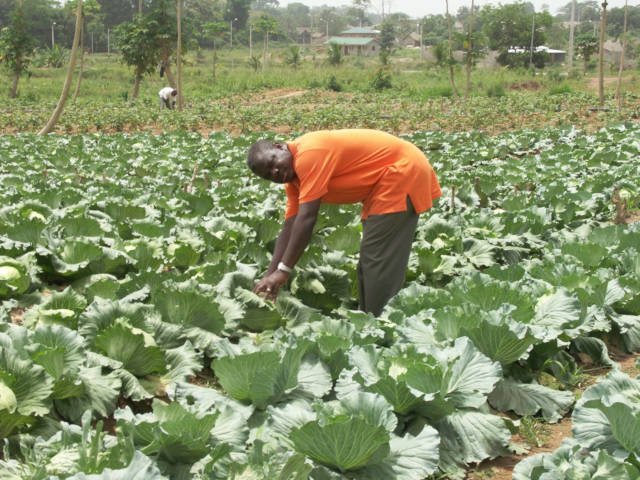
334,53
624,47
138,47
387,41
166,34
435,28
67,82
179,53
90,9
214,30
603,28
237,12
451,60
201,12
586,44
16,46
509,26
294,15
118,11
581,8
469,59
294,58
265,24
361,7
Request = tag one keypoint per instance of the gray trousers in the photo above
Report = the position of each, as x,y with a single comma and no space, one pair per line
384,255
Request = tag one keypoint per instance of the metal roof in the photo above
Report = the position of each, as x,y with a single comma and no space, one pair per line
361,31
351,40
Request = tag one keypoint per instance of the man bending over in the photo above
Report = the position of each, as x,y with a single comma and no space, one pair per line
390,176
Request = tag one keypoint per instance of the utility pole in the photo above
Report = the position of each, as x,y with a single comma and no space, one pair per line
53,36
108,41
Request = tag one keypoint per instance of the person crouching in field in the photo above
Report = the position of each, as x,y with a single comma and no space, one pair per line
390,176
168,97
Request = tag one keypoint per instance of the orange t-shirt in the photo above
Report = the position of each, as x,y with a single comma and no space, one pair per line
358,165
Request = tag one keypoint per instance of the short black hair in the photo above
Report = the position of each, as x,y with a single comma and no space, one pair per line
256,151
174,92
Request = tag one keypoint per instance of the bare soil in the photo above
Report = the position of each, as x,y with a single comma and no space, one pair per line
595,82
17,315
502,468
531,85
632,217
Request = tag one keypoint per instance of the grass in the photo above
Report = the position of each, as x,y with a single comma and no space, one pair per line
420,97
534,431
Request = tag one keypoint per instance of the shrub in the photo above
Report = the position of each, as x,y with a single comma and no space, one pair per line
381,80
496,90
560,89
439,91
333,84
334,54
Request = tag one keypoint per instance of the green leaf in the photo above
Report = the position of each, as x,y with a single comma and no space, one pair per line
471,437
624,421
122,344
249,377
528,399
346,443
140,468
410,458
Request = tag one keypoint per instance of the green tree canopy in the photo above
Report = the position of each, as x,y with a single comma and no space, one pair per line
509,26
16,46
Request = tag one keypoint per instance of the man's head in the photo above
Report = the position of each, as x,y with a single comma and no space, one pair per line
271,161
174,93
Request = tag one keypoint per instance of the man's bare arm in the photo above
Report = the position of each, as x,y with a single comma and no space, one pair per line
293,239
301,232
281,244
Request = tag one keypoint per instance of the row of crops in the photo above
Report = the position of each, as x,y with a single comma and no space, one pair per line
131,345
319,109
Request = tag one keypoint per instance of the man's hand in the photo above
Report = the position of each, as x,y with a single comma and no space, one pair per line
270,284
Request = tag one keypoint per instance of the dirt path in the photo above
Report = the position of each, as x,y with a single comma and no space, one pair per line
594,82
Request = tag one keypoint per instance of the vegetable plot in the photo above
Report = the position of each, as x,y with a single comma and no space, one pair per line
132,346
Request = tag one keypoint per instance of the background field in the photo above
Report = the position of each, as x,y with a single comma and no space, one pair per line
284,99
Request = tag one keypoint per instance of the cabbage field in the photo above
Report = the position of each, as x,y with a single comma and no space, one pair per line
132,346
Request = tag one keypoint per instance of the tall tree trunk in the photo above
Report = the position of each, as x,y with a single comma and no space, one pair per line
179,55
453,83
79,82
215,58
601,59
469,54
14,88
571,34
624,47
136,84
139,6
166,64
67,82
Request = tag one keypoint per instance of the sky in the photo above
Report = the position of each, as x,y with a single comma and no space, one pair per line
420,8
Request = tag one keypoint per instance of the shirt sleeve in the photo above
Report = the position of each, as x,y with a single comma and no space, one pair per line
314,169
